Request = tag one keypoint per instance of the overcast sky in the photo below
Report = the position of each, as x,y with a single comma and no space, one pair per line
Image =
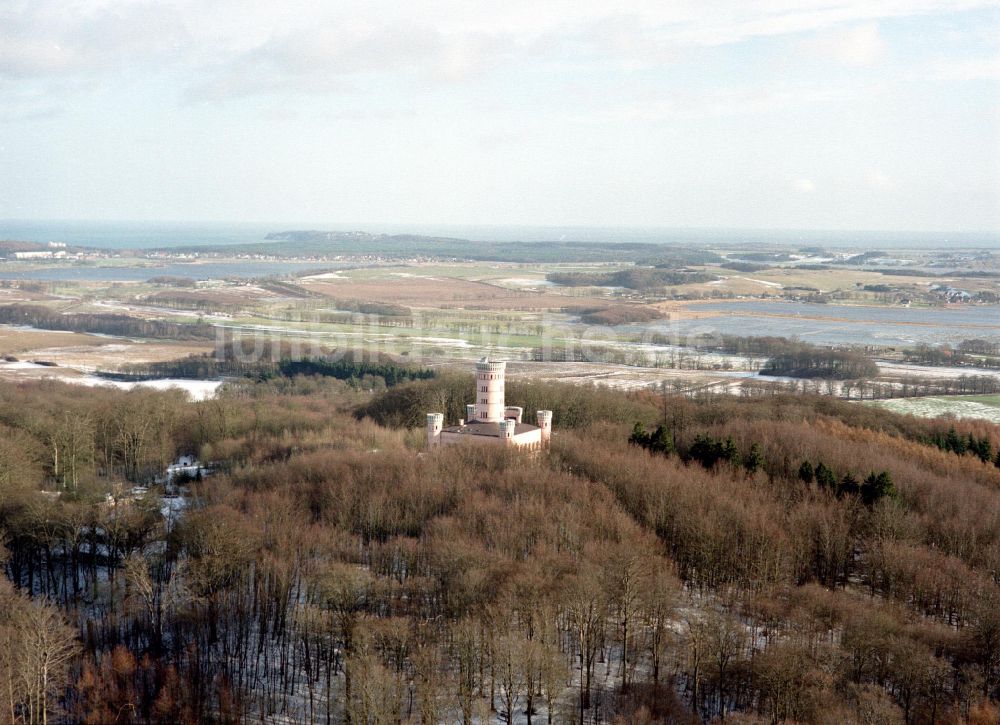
823,114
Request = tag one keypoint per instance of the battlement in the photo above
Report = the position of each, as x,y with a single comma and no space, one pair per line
485,365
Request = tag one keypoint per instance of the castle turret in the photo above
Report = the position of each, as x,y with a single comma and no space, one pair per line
435,422
545,424
507,428
513,412
490,390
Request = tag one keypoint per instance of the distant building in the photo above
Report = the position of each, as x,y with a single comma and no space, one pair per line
489,420
39,255
184,467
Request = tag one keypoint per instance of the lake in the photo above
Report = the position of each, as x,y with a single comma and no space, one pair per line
828,324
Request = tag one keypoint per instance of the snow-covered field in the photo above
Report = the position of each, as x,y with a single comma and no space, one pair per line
987,408
196,389
930,371
159,311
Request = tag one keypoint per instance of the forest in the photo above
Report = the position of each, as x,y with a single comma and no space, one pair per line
299,243
974,353
615,314
105,324
809,361
267,360
794,358
671,559
637,278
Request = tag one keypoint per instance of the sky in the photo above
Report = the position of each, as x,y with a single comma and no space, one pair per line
796,114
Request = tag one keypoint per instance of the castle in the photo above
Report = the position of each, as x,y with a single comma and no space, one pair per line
489,420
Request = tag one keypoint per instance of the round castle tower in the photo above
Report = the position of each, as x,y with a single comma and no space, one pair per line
545,425
488,420
507,429
435,422
489,390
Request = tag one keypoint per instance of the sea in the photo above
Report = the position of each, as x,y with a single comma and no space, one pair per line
139,235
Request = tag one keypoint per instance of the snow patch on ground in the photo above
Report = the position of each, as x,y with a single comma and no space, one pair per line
162,311
30,328
413,276
23,365
325,276
762,281
930,371
197,389
449,341
525,282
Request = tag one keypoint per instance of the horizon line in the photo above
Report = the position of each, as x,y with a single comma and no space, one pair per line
346,227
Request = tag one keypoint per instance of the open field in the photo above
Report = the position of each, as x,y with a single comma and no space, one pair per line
621,377
18,340
72,351
230,294
450,312
13,294
113,351
429,289
26,371
774,279
985,407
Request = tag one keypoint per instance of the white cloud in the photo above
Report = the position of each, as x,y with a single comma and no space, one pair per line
725,23
26,105
46,38
249,46
857,45
14,113
967,69
507,111
728,102
320,59
878,180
